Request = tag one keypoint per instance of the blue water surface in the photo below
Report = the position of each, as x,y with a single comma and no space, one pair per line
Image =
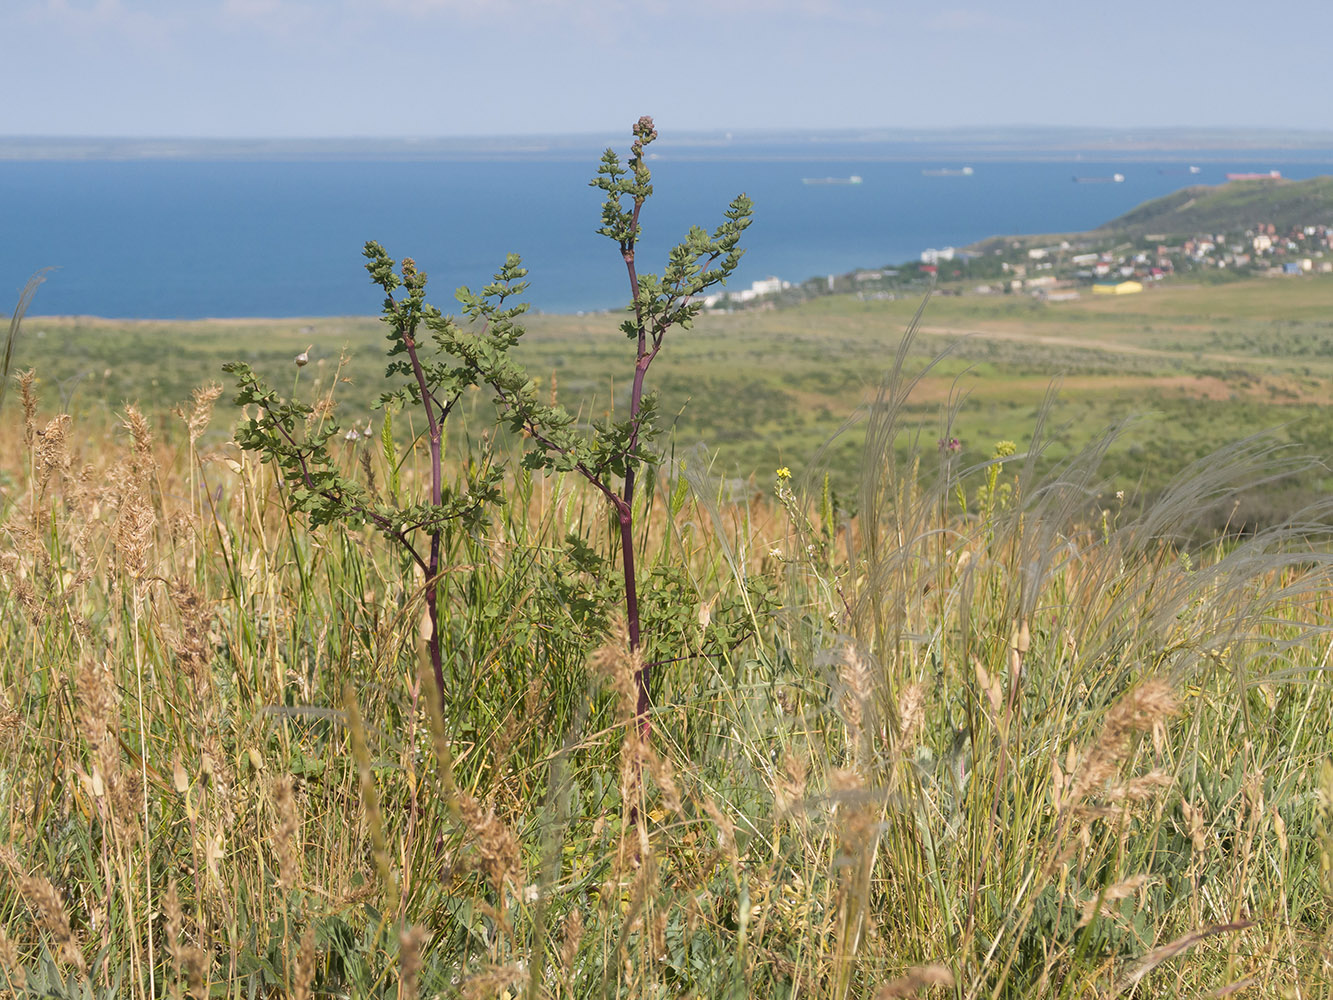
169,239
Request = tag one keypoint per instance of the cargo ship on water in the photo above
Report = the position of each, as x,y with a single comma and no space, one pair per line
1113,179
854,179
948,172
1272,175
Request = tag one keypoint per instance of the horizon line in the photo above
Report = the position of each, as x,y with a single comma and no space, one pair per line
747,131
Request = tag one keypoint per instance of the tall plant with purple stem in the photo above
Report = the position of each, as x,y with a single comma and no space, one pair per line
435,358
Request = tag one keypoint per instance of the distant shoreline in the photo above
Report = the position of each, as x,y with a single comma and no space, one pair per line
849,145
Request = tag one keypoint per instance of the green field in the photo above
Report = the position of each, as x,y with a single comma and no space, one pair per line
1191,368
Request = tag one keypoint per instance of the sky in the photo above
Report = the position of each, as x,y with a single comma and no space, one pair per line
316,68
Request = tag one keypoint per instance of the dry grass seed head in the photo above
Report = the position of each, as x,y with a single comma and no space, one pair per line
614,661
570,939
1140,711
789,789
494,981
410,943
855,703
45,902
141,445
496,844
304,975
28,390
1195,821
11,731
634,751
1113,894
726,829
191,645
911,714
97,714
664,776
33,606
134,535
16,977
50,453
286,832
202,412
857,809
196,962
915,980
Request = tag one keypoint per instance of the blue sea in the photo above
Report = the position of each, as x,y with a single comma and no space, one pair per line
163,239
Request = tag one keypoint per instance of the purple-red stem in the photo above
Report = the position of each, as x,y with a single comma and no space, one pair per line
436,495
625,504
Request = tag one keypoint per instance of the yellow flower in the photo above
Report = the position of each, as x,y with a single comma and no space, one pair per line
784,473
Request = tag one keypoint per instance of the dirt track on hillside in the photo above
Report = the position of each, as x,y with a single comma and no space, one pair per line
1095,344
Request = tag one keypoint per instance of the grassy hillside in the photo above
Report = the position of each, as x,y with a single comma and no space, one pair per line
1194,367
1231,207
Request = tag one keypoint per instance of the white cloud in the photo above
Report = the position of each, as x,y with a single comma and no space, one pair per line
279,17
694,14
962,20
136,24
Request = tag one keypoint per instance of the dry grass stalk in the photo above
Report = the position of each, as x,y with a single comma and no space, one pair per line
192,646
1113,894
28,390
16,977
614,661
493,982
855,702
370,798
50,454
205,396
789,789
1157,956
303,977
44,900
142,464
1140,711
286,834
410,943
920,978
497,846
134,535
570,938
726,829
911,714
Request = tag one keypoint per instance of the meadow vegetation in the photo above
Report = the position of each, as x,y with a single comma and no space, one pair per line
1195,367
926,719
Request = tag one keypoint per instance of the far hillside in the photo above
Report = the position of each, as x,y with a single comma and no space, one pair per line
1236,205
